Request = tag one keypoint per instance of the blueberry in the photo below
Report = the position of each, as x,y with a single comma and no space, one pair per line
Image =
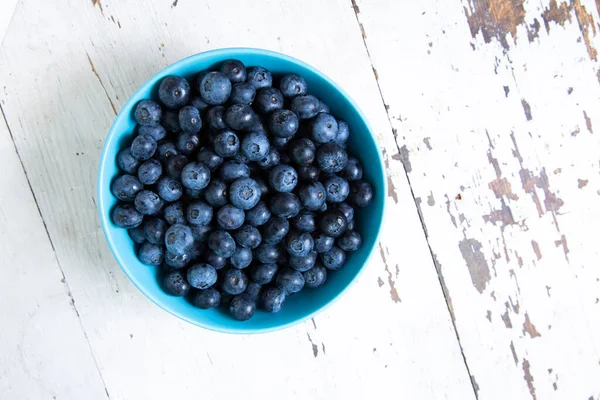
242,307
275,230
315,277
323,128
239,117
179,239
308,172
205,299
187,142
174,213
283,178
175,261
147,113
194,194
353,170
169,189
343,133
189,119
306,221
323,208
170,121
268,253
126,216
268,100
289,280
149,172
199,213
263,273
242,93
216,261
244,193
349,241
127,162
175,164
270,160
248,236
148,202
175,284
126,187
215,193
221,243
137,234
158,132
258,215
293,85
232,170
253,290
215,118
284,158
285,205
197,250
255,146
299,244
305,106
333,223
215,88
234,70
265,190
361,193
234,281
333,259
272,299
350,225
230,217
241,158
166,150
259,77
281,144
283,123
337,189
151,254
323,107
332,158
202,276
302,151
143,147
226,143
303,263
323,242
312,195
197,102
209,158
195,176
241,258
174,91
201,232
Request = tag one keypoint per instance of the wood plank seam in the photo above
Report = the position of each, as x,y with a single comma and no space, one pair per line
64,279
474,385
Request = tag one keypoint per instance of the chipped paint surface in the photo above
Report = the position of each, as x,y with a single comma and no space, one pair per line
476,263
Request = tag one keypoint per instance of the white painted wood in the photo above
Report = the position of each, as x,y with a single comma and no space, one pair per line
7,7
509,200
391,334
41,338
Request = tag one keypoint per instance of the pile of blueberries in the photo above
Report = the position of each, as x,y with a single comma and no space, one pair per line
243,193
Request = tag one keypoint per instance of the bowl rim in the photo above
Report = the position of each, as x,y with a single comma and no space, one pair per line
229,52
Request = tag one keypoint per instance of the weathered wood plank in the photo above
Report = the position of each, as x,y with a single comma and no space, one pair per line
495,104
42,341
391,334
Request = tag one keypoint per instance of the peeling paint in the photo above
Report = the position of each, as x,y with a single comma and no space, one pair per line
533,30
430,199
514,353
449,213
99,4
438,267
403,156
315,348
588,122
391,187
536,249
506,319
495,19
581,183
502,187
380,282
563,242
393,292
427,142
527,109
528,327
503,216
476,263
528,378
488,315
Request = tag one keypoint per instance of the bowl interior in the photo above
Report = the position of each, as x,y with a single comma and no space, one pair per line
300,306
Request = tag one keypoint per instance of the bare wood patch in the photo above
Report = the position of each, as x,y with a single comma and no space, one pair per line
581,183
99,4
514,353
391,187
476,263
536,249
563,242
527,109
588,122
529,378
495,19
529,328
393,292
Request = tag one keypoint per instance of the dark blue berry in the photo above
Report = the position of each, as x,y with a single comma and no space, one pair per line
195,176
347,210
149,172
349,241
143,147
215,193
199,103
242,93
333,259
323,128
254,290
332,158
305,106
283,178
221,243
272,299
205,299
215,88
232,170
137,234
308,172
283,123
270,160
255,146
127,162
158,132
299,244
343,133
151,254
293,85
148,202
175,284
179,239
239,117
126,187
242,307
303,263
315,277
202,276
216,261
268,100
147,113
306,221
263,273
244,193
174,91
248,236
189,119
187,142
174,213
234,70
230,217
209,158
361,193
323,242
170,121
258,215
333,223
268,253
312,195
285,205
126,216
169,189
194,194
259,77
234,281
175,261
166,150
265,190
275,230
215,118
201,232
337,189
175,164
350,225
226,143
289,280
353,170
323,107
302,151
199,213
241,258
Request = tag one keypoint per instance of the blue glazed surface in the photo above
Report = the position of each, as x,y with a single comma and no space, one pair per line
301,306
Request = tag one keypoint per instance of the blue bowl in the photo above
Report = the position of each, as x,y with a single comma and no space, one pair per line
307,303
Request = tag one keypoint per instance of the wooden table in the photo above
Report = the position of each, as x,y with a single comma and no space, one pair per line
486,284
